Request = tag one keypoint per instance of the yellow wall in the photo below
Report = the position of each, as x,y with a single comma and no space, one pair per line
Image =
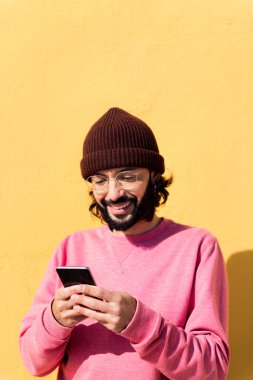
186,68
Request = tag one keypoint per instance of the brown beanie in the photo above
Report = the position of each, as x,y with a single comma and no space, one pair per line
119,139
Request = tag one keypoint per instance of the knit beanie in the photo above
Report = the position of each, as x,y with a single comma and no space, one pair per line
119,139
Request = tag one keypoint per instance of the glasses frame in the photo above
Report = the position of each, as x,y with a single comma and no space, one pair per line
133,184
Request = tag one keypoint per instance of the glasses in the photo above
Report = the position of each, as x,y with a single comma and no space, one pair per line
126,180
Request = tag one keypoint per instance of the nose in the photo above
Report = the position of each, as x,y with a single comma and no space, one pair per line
114,190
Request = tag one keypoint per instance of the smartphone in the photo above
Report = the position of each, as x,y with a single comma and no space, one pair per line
75,275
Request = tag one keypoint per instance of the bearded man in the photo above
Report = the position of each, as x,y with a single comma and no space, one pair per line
159,309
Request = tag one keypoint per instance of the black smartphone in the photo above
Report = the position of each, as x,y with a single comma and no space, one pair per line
75,275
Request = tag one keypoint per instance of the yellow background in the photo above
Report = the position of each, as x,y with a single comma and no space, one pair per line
186,68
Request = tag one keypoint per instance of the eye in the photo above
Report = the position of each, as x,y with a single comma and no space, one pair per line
98,180
127,177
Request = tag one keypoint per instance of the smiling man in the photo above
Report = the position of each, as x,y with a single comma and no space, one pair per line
159,309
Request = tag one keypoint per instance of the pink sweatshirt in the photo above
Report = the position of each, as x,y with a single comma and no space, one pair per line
179,330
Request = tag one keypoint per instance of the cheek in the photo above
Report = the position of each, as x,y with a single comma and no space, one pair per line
99,202
139,194
98,198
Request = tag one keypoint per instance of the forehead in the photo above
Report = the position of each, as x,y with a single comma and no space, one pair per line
114,171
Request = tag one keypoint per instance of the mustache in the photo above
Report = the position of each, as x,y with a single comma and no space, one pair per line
119,200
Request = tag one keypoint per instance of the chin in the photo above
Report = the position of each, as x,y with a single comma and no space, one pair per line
122,223
120,218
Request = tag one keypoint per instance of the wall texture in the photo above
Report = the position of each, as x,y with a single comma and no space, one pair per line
185,67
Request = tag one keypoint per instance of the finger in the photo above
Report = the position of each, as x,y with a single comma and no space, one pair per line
65,293
70,317
94,314
112,322
69,314
91,303
60,306
97,292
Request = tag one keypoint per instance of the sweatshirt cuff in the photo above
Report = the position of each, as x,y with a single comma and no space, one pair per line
53,327
144,326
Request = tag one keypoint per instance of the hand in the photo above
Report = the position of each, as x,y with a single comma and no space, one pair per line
113,309
62,306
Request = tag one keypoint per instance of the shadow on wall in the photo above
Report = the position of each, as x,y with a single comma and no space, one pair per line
240,277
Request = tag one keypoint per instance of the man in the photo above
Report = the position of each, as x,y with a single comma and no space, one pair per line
159,310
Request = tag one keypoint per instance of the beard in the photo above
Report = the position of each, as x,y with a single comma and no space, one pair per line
144,210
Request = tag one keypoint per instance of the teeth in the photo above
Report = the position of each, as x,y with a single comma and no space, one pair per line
121,207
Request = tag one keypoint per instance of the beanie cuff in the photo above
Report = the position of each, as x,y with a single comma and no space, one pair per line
123,157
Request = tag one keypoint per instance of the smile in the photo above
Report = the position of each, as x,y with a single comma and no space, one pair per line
119,208
122,206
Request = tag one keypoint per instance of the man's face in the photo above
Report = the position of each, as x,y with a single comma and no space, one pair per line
121,208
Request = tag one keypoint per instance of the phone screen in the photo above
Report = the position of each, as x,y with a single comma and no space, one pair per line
75,275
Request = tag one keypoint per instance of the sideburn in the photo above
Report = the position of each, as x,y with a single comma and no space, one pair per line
146,209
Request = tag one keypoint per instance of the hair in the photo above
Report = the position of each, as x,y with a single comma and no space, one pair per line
156,195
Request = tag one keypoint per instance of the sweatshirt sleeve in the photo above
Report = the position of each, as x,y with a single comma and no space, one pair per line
200,349
42,339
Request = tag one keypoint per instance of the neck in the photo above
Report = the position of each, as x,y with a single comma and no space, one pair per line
140,227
